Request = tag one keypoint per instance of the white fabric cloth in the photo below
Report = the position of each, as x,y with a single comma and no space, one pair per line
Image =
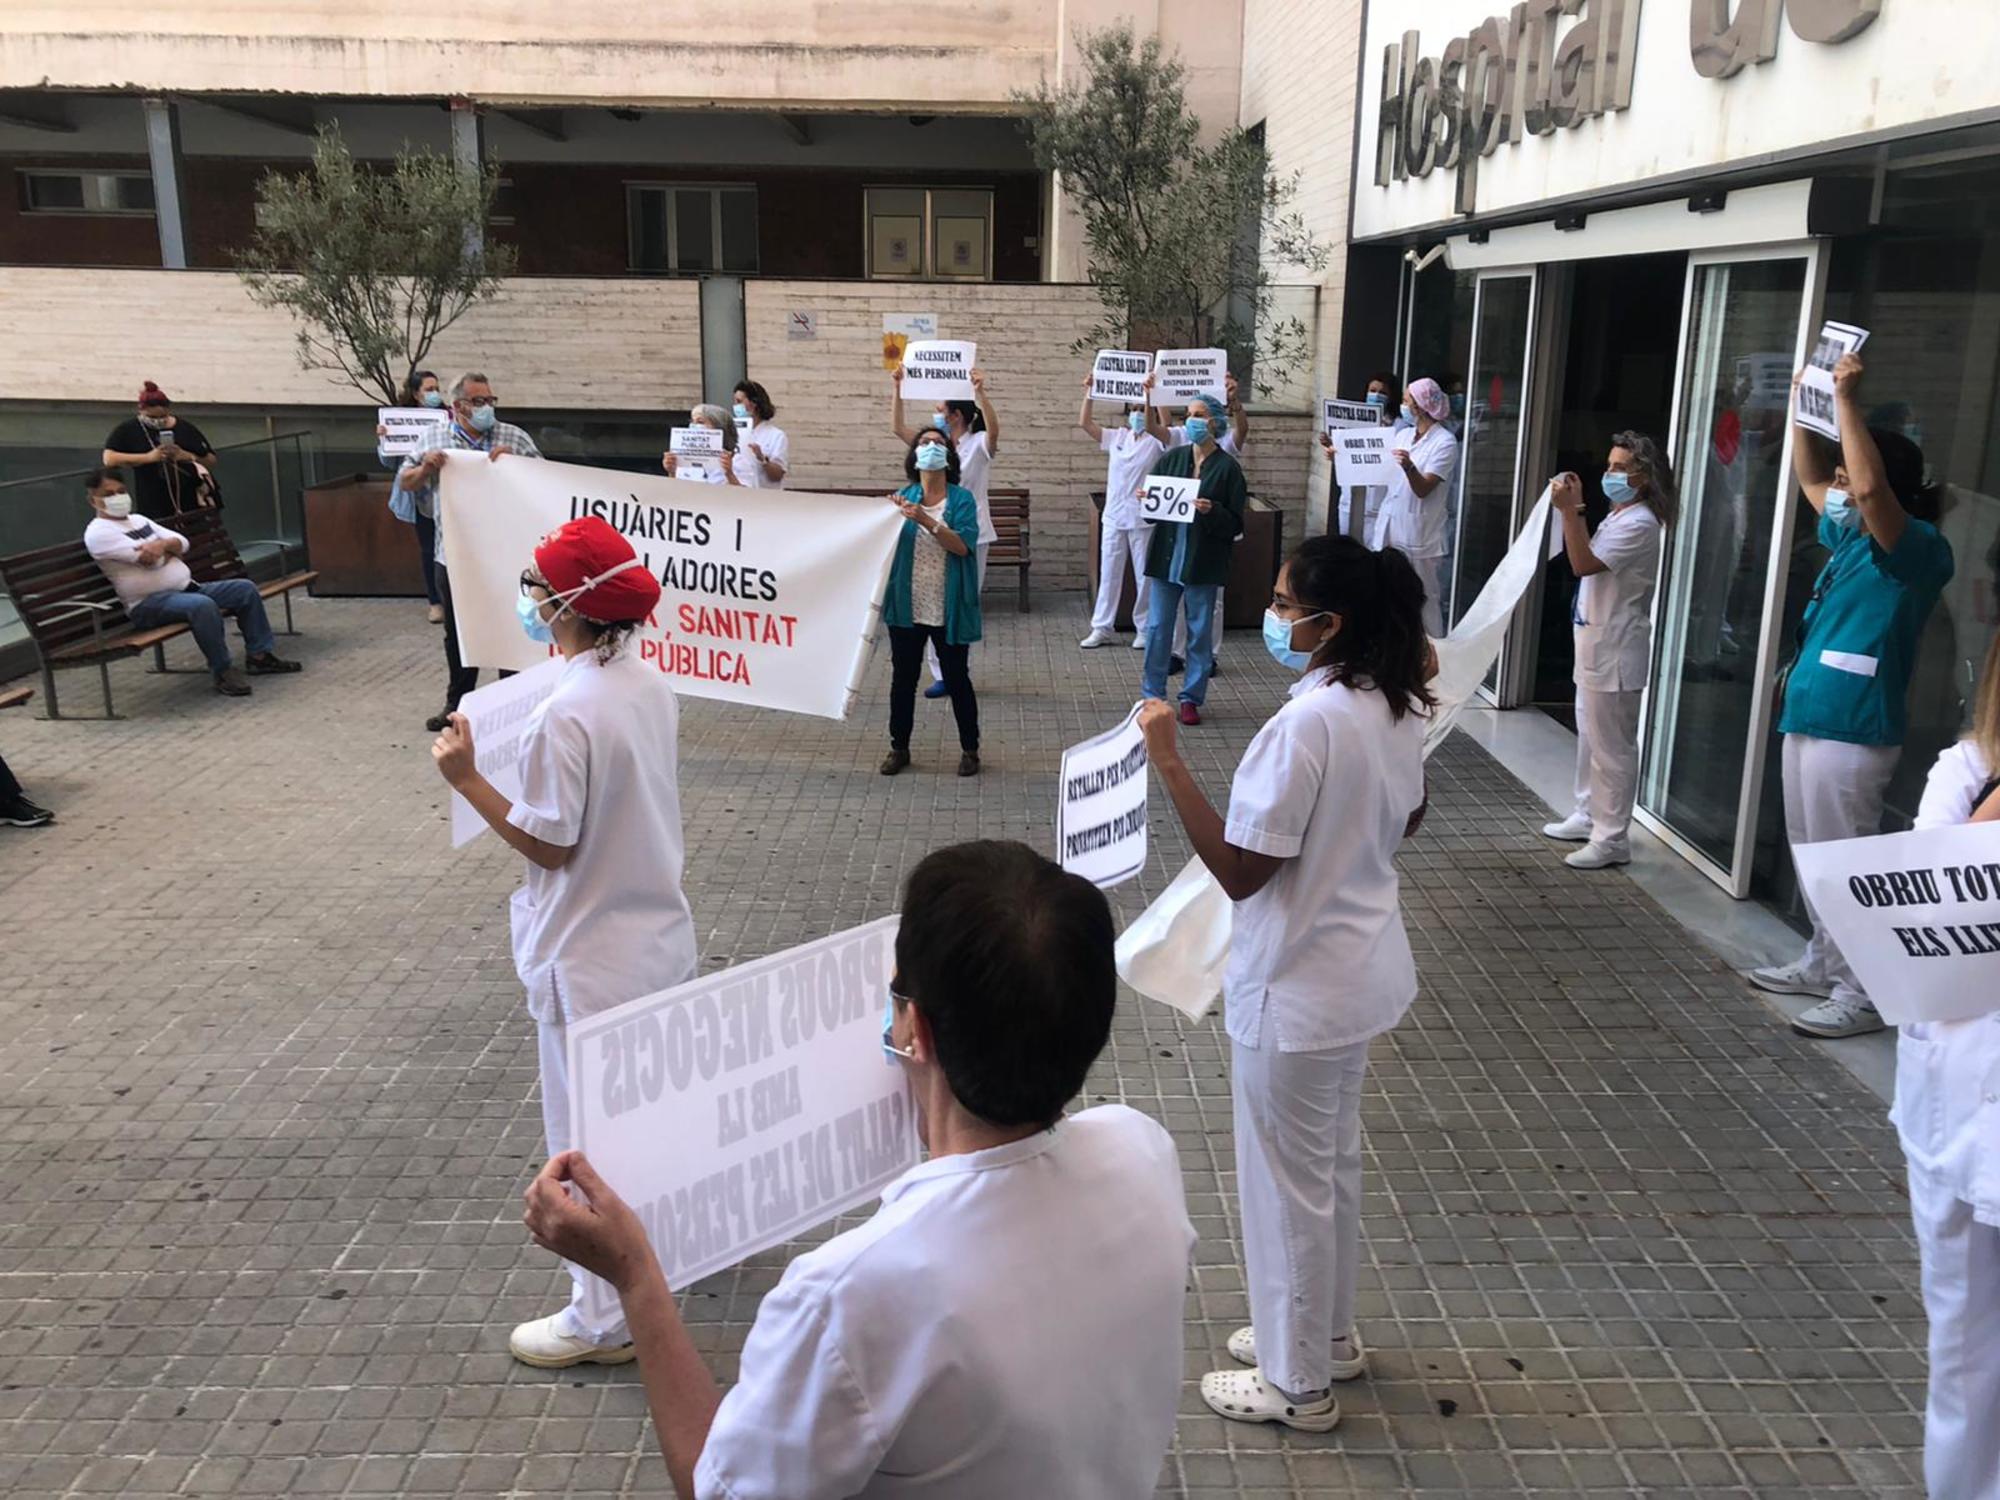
1417,525
979,555
1833,790
115,545
1114,550
1298,1179
1429,574
1371,495
1008,1324
1326,786
600,777
1960,1257
975,473
1614,609
553,1042
777,448
1133,455
927,557
1607,763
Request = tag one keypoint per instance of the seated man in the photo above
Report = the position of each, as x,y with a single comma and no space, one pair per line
143,561
1008,1324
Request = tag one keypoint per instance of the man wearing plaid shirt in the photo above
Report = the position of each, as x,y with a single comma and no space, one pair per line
475,424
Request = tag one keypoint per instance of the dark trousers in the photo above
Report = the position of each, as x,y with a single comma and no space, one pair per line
459,678
10,789
906,662
427,540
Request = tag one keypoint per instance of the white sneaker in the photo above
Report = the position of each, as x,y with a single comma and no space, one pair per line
544,1346
1139,641
1350,1360
1245,1396
1574,829
1095,639
1841,1016
1790,979
1596,856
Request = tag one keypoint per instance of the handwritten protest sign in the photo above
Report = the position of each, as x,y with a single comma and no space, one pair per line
1101,805
1120,375
1180,375
695,442
755,608
412,429
1816,408
1168,497
938,370
738,1110
898,329
1361,455
499,715
1917,916
1334,415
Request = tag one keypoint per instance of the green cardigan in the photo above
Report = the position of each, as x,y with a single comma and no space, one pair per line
961,574
1210,536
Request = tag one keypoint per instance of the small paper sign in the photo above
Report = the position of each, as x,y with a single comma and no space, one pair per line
938,370
412,429
1168,497
499,715
1101,805
696,442
1120,375
1180,375
1334,415
1361,455
1816,407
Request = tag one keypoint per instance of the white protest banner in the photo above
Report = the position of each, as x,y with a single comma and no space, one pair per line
695,442
741,1109
1120,375
412,429
499,715
1816,408
1180,375
757,608
1361,455
897,331
1168,497
1468,652
1334,415
1101,805
939,370
1917,916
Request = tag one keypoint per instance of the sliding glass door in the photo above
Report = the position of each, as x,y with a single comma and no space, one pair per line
1485,492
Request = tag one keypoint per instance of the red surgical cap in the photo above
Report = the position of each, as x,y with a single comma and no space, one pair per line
582,552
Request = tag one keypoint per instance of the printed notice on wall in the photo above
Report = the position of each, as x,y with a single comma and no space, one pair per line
741,1109
1362,455
1120,375
1180,375
1917,916
499,715
898,329
1816,407
1101,805
939,370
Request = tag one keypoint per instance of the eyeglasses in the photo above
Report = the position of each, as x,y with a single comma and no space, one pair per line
529,583
889,1048
480,400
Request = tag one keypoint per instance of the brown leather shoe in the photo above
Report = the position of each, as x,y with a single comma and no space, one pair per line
229,682
895,761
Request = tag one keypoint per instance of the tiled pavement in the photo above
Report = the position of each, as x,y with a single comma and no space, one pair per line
267,1102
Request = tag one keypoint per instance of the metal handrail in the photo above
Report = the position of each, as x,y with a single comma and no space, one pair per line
269,440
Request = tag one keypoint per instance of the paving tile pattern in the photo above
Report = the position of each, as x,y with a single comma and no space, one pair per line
267,1101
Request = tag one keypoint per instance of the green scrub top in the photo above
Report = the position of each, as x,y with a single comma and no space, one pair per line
1858,640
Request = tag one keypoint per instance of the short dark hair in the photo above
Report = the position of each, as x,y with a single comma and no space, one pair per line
98,476
1902,465
951,468
1009,958
759,399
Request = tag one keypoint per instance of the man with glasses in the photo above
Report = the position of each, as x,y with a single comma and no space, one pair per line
1009,1322
475,424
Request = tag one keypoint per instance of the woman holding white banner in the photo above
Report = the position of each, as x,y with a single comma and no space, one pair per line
737,467
1948,1115
932,599
1414,508
1319,962
974,430
602,918
1122,535
1617,570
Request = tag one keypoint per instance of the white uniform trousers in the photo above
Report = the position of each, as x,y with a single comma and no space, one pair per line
1214,630
1961,1279
1114,549
1298,1174
1833,790
1607,763
555,1127
1427,570
930,651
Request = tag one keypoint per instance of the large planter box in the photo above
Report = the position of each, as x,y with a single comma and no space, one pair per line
356,545
1253,566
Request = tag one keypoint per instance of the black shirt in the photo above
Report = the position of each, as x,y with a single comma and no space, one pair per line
163,488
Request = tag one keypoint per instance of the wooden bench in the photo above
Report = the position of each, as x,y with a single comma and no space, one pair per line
1009,509
15,697
75,619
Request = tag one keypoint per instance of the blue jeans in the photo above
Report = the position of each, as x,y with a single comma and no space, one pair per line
201,609
1162,607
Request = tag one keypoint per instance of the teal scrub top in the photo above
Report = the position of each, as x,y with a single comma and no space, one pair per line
1858,640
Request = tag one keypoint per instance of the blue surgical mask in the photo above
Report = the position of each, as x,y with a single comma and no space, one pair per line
1840,510
1409,414
932,457
939,421
1197,430
433,398
742,412
1278,639
483,418
1379,400
1136,420
537,629
1618,487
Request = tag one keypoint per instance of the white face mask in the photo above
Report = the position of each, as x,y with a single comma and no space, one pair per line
118,507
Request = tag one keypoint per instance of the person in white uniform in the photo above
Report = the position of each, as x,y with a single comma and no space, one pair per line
974,430
764,443
1366,499
1319,962
735,467
1122,536
602,918
1009,1323
1416,504
1948,1115
1617,569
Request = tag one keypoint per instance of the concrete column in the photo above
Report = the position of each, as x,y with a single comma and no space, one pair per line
468,150
163,147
